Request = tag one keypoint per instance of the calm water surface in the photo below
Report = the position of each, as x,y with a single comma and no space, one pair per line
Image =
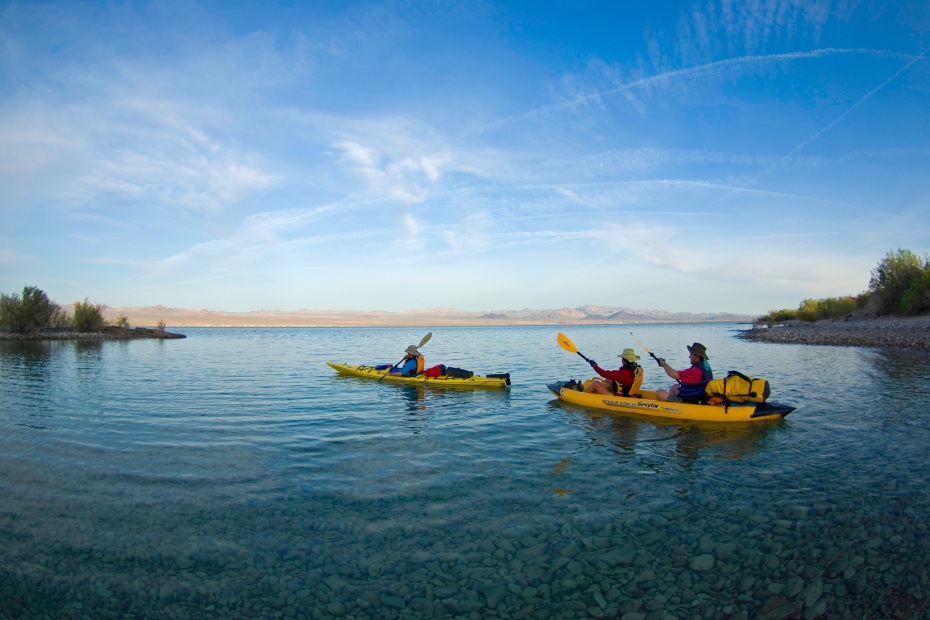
233,474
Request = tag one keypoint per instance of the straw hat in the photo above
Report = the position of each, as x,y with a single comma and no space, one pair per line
629,355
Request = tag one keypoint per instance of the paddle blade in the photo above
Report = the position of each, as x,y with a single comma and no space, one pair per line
425,339
643,346
567,344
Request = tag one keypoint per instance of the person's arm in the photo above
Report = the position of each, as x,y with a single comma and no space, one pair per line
399,368
671,372
622,376
409,366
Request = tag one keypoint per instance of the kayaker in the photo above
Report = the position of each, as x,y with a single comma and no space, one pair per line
617,381
691,381
412,364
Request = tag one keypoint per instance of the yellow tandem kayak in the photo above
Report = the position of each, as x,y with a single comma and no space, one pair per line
473,382
645,403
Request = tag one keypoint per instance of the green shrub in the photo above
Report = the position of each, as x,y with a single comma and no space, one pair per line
778,316
8,311
808,310
894,276
161,326
28,313
829,308
88,317
61,318
122,321
837,307
916,299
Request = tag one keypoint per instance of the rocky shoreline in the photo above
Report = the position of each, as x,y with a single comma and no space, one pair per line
107,333
885,332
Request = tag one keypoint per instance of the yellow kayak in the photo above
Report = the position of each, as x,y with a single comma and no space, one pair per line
645,403
473,382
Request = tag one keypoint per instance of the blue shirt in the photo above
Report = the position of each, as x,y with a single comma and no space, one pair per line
409,367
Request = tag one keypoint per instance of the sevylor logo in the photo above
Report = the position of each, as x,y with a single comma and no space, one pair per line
638,405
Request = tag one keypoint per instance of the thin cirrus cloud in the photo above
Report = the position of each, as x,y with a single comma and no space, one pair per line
679,81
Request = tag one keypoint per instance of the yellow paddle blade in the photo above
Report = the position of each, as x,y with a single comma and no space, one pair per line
425,339
567,344
641,344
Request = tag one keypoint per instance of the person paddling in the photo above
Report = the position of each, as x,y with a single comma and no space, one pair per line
617,381
412,364
691,380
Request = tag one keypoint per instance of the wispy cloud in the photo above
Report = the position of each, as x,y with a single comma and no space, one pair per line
733,27
722,69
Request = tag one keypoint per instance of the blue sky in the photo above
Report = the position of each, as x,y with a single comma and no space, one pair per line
704,157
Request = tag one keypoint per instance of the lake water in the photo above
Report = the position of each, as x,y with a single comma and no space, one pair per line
233,474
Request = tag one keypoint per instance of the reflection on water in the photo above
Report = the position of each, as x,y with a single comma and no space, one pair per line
418,414
31,359
233,474
727,443
622,433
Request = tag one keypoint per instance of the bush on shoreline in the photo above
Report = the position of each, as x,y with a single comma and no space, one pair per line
33,310
900,285
88,317
28,313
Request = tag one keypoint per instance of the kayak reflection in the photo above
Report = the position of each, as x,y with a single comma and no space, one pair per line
685,440
416,416
414,397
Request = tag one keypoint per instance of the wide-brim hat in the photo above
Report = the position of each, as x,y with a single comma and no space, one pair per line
698,349
412,350
629,355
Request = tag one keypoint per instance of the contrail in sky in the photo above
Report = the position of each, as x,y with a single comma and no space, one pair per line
835,121
689,71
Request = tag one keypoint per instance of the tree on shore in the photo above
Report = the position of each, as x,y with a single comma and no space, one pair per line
33,311
27,313
900,285
88,317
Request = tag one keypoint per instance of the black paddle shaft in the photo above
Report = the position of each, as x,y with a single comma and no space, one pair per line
583,357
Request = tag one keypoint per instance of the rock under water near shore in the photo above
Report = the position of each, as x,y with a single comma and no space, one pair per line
107,333
885,332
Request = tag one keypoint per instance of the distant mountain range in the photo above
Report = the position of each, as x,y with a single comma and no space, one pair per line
616,314
152,315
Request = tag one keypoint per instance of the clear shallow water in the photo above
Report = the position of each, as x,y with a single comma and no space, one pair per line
234,474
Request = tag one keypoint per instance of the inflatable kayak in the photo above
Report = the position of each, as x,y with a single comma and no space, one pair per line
473,382
645,403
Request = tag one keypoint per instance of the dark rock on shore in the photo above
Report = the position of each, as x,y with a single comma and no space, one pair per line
107,333
885,332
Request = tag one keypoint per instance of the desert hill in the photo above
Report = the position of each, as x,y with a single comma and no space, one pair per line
180,317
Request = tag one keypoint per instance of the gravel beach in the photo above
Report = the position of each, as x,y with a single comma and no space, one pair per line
886,332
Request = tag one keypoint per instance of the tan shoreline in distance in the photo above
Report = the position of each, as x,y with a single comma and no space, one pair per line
174,317
177,318
252,319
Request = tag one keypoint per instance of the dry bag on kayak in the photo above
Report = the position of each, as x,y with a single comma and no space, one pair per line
435,371
738,388
460,373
